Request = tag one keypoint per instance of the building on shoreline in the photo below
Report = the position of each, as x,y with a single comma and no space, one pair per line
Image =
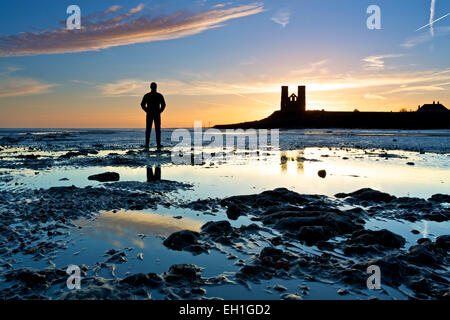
293,115
435,107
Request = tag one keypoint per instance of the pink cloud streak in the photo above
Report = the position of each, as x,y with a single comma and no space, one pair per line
124,29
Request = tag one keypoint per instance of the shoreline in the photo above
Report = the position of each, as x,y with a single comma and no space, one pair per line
348,120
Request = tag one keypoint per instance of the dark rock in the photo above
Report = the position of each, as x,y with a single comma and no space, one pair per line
152,280
382,237
342,292
30,157
279,196
196,249
276,240
105,177
271,252
217,227
275,258
74,154
181,240
279,287
119,257
332,222
203,205
32,279
233,212
409,267
437,216
322,174
441,198
185,271
313,234
421,285
250,270
198,291
423,240
325,245
443,242
111,252
368,194
250,227
282,264
353,276
98,290
293,224
422,254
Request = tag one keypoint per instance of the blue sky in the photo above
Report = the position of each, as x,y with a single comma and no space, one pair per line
225,63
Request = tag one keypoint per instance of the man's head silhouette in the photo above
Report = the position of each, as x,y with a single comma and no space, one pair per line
153,86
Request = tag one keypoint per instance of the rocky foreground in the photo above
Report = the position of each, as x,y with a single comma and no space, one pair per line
32,223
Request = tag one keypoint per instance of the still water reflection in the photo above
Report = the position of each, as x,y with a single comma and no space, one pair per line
134,226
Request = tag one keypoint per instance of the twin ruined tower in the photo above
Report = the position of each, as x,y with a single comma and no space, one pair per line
293,103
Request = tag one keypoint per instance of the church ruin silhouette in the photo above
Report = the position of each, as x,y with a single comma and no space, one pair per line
293,103
293,115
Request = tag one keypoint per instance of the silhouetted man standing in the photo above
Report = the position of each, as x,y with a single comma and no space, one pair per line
153,104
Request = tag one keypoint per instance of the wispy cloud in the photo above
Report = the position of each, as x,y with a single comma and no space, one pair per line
425,37
435,87
101,31
136,10
282,17
221,5
113,9
315,69
377,84
11,85
374,96
8,70
136,87
377,62
23,87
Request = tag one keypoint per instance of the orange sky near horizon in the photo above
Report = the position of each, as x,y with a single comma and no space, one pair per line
182,111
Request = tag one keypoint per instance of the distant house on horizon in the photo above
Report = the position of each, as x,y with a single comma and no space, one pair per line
435,107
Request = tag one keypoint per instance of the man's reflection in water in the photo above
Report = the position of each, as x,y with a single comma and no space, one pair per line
283,162
285,157
156,176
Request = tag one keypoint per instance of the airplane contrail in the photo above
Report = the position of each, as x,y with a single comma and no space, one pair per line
432,22
433,5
